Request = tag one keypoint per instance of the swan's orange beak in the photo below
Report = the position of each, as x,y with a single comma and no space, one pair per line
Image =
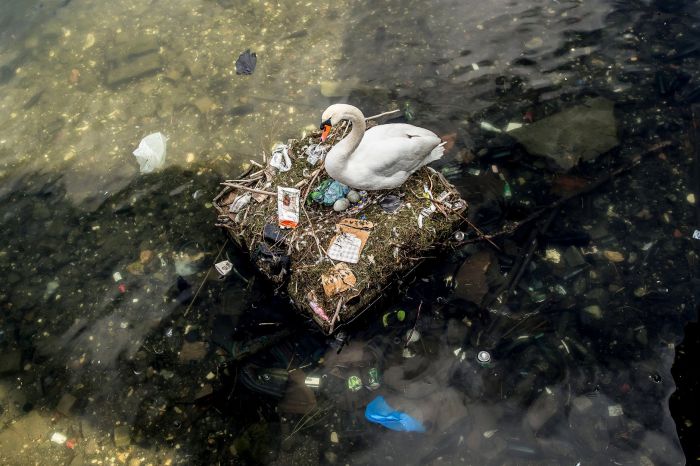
325,133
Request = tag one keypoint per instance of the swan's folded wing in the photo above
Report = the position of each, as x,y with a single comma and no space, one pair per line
388,149
399,130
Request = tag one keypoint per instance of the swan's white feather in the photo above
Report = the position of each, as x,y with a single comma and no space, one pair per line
386,156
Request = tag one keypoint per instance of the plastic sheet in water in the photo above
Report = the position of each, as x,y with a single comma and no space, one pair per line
151,152
246,62
379,412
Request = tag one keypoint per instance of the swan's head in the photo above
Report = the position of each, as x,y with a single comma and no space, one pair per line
331,117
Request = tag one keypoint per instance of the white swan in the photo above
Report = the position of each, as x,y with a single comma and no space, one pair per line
382,157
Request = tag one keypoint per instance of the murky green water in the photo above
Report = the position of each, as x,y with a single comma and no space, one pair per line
102,341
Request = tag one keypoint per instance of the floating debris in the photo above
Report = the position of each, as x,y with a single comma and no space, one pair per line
246,63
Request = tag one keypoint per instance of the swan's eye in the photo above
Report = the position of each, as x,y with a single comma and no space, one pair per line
325,123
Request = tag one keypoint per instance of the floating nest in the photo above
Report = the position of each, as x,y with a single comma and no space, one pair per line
333,293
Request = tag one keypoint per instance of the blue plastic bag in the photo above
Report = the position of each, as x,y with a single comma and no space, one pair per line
379,412
329,191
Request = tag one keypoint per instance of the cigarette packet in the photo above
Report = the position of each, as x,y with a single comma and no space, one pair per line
288,207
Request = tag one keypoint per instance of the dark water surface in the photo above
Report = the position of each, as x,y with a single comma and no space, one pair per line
103,340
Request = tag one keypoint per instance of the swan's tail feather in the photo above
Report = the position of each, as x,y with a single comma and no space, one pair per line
435,154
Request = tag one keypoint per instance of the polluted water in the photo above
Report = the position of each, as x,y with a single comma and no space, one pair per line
552,326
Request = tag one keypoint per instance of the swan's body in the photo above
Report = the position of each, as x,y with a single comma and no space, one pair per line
382,157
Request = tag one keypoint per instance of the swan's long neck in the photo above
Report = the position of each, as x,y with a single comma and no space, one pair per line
338,156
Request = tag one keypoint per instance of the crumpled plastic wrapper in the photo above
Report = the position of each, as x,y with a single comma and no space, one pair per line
151,152
280,158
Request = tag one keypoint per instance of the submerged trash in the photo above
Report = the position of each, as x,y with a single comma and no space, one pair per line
354,383
267,380
581,132
379,412
485,125
150,153
223,267
246,62
373,378
513,126
280,158
242,349
471,283
390,317
483,358
288,207
313,382
58,437
412,336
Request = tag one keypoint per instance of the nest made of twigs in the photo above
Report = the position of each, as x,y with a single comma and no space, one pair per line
395,245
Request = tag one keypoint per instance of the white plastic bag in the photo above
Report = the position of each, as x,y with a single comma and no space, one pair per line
151,152
280,158
315,152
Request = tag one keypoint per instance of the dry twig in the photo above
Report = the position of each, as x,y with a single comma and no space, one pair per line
246,188
204,280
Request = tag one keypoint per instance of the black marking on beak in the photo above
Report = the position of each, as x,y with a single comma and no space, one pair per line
325,123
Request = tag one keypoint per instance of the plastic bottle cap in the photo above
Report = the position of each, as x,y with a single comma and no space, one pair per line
483,357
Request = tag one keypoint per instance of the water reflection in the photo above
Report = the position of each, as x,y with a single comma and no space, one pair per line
103,342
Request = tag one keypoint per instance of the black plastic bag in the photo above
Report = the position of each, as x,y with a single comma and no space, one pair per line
246,63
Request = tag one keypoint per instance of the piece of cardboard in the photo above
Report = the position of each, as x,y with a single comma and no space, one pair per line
338,279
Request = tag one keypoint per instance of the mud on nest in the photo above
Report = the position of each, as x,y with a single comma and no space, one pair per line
395,245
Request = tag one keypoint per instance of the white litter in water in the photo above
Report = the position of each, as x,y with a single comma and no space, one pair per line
223,267
59,438
615,410
485,125
151,152
696,234
513,125
475,67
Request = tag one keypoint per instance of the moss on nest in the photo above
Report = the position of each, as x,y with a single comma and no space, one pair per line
395,245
